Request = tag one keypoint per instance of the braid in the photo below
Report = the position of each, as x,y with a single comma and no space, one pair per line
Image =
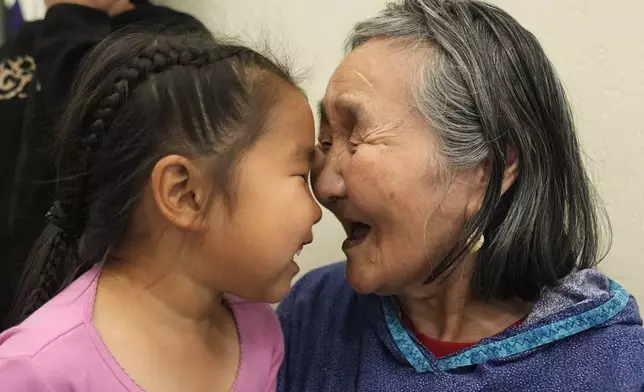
47,275
52,276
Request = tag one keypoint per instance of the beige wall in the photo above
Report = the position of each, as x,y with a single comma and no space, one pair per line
596,45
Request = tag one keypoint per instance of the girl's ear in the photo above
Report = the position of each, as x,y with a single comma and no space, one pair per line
181,192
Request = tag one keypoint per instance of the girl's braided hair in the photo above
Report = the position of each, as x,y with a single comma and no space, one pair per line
139,97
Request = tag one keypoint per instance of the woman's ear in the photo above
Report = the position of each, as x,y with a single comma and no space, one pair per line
181,192
511,169
509,175
480,178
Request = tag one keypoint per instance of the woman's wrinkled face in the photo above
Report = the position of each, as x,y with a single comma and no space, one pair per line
379,169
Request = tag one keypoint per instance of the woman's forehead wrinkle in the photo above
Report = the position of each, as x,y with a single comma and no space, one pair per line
349,78
363,78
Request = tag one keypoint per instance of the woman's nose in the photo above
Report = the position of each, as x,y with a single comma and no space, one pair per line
327,180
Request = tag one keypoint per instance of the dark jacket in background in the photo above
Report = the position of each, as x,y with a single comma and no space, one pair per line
37,69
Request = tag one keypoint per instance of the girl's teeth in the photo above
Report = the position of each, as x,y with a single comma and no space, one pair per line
299,251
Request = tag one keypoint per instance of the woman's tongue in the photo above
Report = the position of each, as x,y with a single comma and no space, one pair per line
357,234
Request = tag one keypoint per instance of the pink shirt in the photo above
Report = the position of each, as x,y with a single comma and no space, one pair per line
58,348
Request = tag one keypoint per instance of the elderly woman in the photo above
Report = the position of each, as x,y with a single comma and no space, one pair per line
448,151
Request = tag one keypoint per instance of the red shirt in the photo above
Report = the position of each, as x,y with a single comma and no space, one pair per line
441,348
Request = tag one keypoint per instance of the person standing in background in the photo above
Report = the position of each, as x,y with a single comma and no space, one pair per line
17,12
37,68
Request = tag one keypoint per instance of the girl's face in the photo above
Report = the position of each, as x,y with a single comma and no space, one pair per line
249,248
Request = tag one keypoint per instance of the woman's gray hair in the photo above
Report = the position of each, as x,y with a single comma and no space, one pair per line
486,88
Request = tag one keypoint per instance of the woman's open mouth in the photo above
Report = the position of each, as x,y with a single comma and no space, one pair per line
356,234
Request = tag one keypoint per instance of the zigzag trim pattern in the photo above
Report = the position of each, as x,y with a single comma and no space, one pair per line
403,340
507,347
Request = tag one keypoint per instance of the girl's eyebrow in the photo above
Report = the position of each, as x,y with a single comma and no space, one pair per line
301,151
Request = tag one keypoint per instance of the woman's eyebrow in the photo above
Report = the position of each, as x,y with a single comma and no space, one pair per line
350,105
344,104
324,120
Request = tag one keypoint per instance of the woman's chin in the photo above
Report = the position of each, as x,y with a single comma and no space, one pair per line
362,279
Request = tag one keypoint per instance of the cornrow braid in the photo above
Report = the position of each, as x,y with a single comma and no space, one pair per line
152,60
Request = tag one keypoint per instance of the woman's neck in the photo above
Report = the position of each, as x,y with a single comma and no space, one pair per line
446,310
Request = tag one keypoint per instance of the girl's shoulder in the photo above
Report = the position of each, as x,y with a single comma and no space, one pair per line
54,321
55,348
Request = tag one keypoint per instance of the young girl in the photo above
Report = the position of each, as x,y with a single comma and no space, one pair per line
183,200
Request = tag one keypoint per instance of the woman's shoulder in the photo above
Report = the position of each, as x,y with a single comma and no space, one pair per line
322,287
328,280
320,297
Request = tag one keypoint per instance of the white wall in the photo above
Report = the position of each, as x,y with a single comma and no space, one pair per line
31,9
596,45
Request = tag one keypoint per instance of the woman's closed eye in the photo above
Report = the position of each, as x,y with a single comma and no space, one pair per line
324,145
353,143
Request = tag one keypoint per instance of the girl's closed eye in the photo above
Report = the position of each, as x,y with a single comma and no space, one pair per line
304,177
